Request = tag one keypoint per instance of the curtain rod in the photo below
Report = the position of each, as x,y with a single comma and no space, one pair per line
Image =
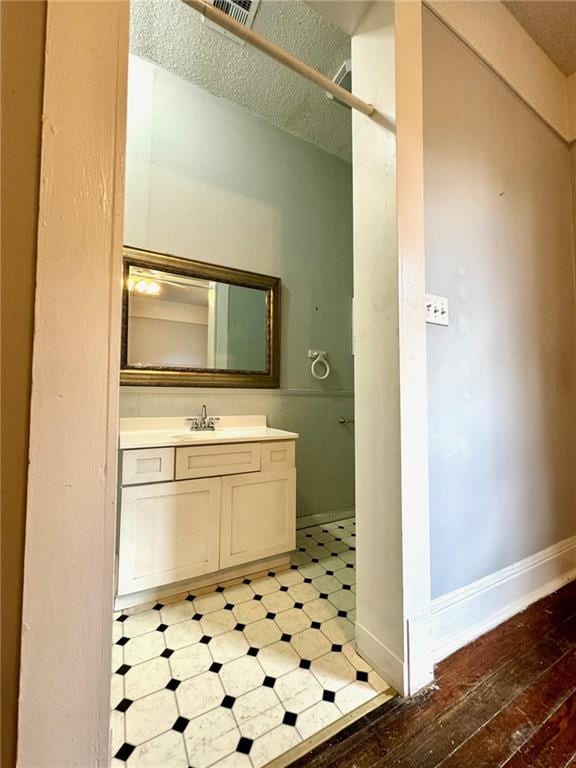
280,55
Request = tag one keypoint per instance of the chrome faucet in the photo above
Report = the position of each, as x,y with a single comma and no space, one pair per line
203,421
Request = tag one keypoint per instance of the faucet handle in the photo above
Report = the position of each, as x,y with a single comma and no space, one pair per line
194,423
212,421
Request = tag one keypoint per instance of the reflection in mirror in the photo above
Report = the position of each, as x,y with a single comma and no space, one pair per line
189,323
184,322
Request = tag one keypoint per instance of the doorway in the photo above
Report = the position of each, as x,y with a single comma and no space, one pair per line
399,625
250,174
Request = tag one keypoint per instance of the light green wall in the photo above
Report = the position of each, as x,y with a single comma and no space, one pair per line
208,180
246,329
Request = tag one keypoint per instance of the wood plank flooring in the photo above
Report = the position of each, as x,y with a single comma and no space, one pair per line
509,699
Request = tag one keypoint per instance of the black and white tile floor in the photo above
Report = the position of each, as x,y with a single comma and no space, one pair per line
235,677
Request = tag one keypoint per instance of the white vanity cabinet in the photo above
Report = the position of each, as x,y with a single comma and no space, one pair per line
206,511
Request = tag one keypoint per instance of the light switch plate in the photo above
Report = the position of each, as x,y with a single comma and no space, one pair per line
436,309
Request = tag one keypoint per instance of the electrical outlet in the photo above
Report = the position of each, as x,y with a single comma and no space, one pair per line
436,309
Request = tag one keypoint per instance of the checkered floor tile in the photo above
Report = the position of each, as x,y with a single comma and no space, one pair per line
235,677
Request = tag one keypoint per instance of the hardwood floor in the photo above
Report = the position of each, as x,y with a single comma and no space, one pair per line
509,699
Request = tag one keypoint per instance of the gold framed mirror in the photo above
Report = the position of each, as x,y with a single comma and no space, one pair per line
191,324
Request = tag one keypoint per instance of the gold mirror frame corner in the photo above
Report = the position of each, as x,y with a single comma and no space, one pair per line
171,377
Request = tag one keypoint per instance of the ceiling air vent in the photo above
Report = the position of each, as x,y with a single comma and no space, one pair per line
343,78
242,11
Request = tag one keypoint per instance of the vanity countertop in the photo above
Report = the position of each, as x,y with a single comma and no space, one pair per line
156,432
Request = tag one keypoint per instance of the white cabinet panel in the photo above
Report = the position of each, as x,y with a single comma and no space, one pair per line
258,516
168,532
215,460
147,465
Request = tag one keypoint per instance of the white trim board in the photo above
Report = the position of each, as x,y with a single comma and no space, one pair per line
461,616
381,658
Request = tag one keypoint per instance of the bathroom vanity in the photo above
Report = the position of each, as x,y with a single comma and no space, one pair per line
198,507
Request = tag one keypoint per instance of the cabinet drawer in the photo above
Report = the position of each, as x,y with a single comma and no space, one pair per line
168,532
215,460
147,465
277,455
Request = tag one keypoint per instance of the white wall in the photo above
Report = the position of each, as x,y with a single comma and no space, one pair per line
502,376
165,342
208,180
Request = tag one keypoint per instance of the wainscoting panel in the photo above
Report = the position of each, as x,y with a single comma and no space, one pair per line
324,452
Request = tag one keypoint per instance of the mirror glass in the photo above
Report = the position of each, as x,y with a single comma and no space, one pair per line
183,322
188,323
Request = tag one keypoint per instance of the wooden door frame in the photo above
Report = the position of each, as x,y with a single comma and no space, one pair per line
71,520
393,627
71,516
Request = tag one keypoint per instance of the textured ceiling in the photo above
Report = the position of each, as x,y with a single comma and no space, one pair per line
174,36
552,24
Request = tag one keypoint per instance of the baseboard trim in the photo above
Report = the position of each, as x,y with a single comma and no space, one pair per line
321,518
461,616
384,661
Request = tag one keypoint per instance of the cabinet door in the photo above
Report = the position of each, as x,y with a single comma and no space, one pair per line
168,532
258,516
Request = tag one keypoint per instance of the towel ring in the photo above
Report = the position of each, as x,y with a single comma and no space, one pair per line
320,359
